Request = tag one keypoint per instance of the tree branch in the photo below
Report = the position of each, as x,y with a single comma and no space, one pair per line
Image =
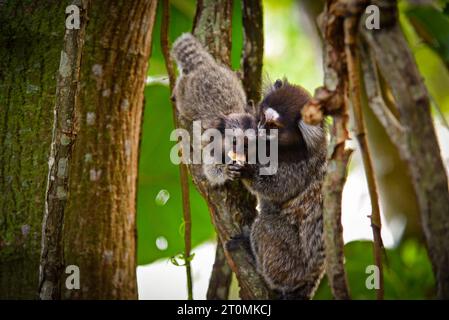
330,100
59,163
397,66
253,42
350,33
376,101
231,205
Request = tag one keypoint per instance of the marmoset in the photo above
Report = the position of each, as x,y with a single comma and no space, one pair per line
286,237
212,93
204,89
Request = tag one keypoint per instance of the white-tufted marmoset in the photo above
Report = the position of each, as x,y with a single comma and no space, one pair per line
286,237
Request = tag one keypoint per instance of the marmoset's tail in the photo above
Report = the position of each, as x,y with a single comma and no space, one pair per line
189,54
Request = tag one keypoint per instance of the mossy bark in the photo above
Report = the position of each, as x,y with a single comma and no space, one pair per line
98,226
30,47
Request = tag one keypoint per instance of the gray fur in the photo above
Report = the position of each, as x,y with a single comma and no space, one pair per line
204,89
210,92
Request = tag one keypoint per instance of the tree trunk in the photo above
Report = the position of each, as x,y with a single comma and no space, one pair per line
31,38
97,222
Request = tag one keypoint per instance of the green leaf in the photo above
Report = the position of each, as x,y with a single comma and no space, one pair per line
432,25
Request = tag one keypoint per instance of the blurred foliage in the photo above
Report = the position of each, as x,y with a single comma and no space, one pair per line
430,63
289,51
407,272
432,25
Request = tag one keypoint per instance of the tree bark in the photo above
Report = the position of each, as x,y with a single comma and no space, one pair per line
100,222
95,228
398,67
31,37
253,42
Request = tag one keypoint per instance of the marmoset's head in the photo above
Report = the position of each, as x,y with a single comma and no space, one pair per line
280,109
245,130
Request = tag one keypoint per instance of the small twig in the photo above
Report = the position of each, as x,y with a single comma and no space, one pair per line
220,279
350,31
182,167
333,229
376,101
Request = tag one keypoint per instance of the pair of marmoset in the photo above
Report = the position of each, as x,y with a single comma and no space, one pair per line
286,237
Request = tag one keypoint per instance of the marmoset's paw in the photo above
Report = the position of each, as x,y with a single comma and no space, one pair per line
234,171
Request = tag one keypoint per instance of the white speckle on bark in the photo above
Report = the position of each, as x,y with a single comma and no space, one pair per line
90,118
94,175
25,229
116,88
31,88
62,167
331,81
106,92
52,178
97,70
51,162
88,157
65,139
124,105
64,66
127,149
60,192
107,256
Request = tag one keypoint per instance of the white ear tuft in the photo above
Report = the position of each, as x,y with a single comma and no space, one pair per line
271,115
312,134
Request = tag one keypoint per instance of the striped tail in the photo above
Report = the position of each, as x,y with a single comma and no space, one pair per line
189,53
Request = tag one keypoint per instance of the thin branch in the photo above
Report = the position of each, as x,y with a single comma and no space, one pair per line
221,276
350,33
252,60
333,229
63,137
182,167
376,101
330,100
400,72
253,42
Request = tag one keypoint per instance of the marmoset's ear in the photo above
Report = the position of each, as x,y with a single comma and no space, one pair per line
277,84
